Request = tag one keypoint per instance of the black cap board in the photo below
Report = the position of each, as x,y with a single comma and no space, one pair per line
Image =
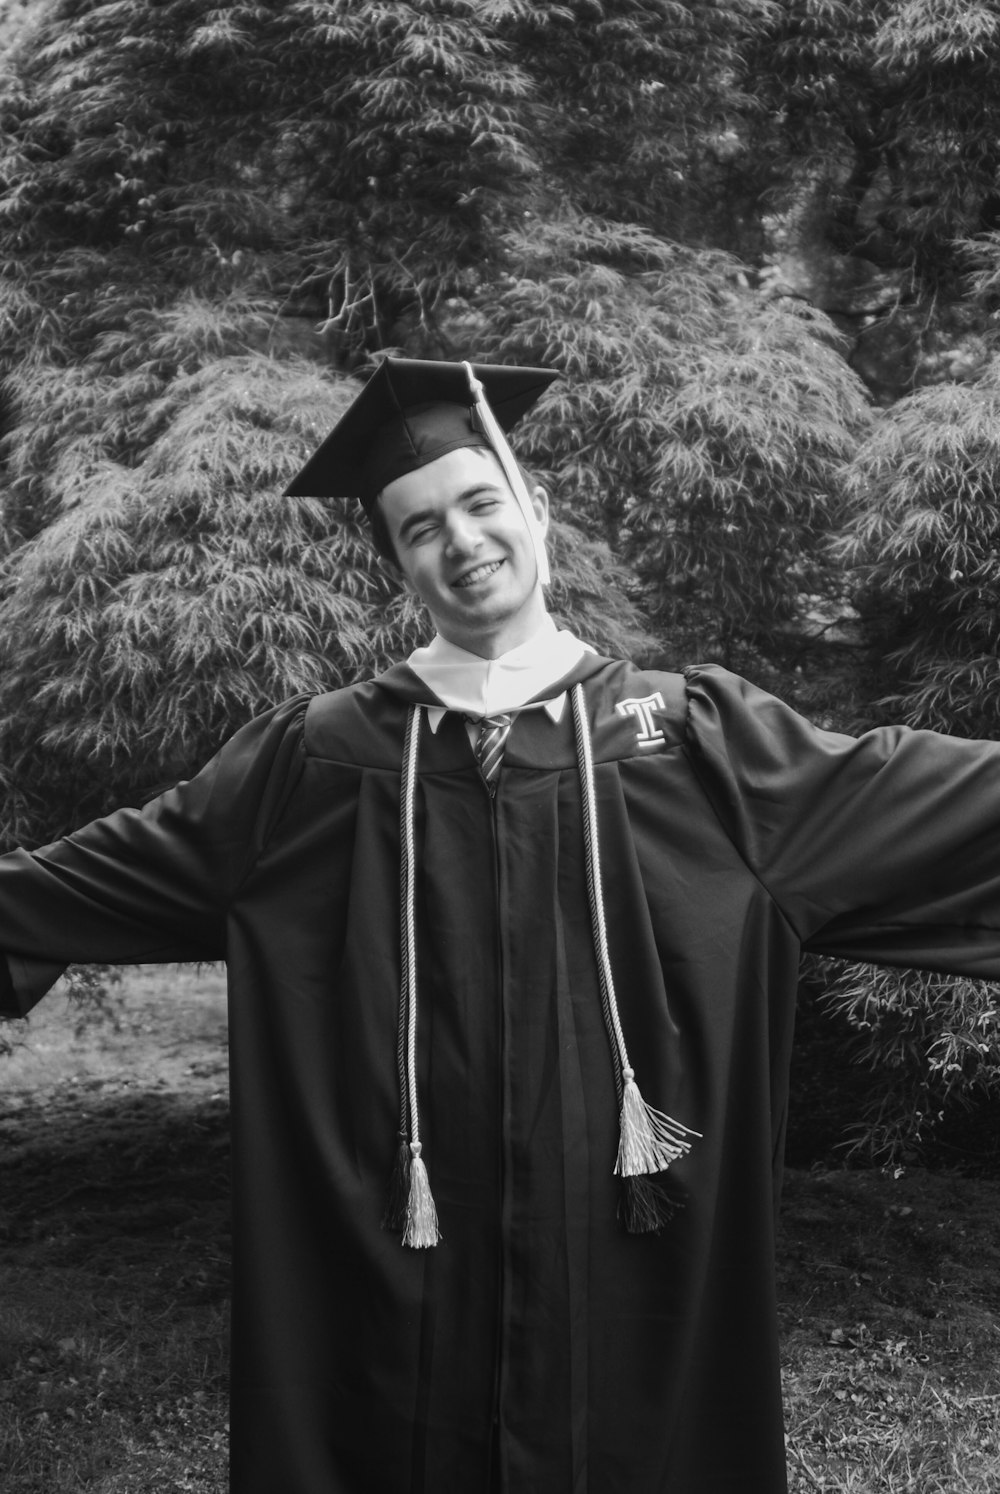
410,412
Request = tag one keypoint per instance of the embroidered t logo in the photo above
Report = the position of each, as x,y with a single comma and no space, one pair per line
647,733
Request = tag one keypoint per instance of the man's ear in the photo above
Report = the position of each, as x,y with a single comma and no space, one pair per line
540,503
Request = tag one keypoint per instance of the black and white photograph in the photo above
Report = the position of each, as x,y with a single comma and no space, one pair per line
500,747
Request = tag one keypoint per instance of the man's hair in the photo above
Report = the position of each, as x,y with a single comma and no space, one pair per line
380,529
380,532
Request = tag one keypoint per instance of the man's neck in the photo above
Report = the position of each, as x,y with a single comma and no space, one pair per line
536,623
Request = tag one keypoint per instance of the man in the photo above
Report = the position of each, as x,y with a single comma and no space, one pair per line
512,1003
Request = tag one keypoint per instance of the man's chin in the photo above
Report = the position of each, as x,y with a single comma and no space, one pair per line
489,599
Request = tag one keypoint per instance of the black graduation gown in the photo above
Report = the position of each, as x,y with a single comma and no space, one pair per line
538,1344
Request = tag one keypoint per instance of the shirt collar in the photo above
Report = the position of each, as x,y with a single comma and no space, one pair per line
481,687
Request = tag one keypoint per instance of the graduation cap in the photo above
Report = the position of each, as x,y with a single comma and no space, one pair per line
414,410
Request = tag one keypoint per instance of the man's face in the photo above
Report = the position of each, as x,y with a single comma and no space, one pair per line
463,547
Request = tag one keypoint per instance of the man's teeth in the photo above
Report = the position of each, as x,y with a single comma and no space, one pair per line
479,574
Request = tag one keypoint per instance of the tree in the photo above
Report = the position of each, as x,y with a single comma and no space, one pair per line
180,592
392,161
888,112
357,160
701,428
930,1042
213,215
644,104
923,543
349,157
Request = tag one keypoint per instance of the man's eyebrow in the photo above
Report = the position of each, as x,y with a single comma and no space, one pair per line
412,520
486,485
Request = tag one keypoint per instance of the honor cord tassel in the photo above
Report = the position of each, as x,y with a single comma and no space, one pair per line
649,1141
418,1216
421,1215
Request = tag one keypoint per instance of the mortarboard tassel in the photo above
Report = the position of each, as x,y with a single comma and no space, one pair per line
491,429
648,1140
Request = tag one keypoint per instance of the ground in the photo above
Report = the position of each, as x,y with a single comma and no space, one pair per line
114,1245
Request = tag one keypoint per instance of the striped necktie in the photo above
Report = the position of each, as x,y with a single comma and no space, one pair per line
489,746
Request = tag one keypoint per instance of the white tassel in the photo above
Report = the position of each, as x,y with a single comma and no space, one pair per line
648,1140
419,1221
421,1215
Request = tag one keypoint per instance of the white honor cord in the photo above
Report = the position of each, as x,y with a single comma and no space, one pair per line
512,472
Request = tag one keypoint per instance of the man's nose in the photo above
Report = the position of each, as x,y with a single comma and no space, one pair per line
461,535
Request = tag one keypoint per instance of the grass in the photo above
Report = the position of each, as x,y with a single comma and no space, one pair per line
114,1247
114,1244
889,1287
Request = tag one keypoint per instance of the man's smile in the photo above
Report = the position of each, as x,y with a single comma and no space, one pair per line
480,573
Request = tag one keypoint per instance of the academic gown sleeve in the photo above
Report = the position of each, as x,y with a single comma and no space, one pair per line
152,884
883,848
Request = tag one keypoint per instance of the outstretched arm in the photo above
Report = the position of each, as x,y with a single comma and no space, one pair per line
883,848
152,884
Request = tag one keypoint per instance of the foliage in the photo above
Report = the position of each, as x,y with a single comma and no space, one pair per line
169,599
16,18
350,157
212,213
923,541
360,161
643,104
742,489
394,170
924,492
889,113
175,595
95,992
593,595
187,188
700,427
932,1041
